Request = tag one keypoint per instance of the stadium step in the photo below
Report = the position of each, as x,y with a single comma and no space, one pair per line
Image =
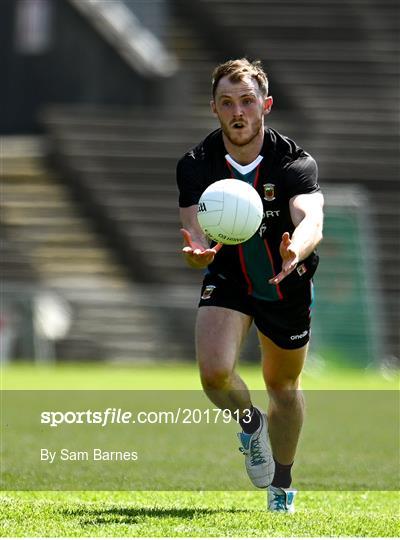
47,240
325,77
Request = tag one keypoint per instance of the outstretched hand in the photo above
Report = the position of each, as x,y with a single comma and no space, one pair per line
196,255
290,259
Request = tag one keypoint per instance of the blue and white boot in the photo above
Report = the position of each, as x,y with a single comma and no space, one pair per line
256,447
281,499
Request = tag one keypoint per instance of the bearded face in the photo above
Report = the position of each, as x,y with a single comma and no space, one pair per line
240,108
241,131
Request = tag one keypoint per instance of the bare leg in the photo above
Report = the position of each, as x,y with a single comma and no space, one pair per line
281,370
219,336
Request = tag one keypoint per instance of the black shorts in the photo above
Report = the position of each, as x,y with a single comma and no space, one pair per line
286,322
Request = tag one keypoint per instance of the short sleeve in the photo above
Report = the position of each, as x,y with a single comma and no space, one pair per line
189,182
301,176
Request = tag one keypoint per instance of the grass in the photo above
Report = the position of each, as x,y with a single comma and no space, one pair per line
174,376
158,514
190,514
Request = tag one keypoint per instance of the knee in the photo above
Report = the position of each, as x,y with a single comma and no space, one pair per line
285,393
214,377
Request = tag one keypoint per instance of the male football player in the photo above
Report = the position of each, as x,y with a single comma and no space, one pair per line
266,280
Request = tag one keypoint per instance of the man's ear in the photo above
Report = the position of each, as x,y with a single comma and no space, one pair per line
213,107
268,102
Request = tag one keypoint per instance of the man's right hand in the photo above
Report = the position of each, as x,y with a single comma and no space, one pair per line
196,255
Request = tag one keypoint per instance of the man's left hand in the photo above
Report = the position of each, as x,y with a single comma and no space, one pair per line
290,258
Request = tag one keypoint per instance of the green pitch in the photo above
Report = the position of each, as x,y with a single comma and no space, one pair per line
196,514
190,514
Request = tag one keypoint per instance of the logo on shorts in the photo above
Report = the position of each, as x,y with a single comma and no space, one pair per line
269,192
299,336
301,269
208,292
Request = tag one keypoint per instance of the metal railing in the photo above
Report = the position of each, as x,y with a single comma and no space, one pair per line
137,45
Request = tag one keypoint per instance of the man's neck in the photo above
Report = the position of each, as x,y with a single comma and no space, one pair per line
245,154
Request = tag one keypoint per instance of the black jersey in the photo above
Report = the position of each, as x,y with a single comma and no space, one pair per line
281,171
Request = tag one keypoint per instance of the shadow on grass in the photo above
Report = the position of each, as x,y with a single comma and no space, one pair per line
128,516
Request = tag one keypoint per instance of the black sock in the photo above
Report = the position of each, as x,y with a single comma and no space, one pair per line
282,476
250,426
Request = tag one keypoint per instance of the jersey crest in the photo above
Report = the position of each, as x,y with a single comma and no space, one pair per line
269,192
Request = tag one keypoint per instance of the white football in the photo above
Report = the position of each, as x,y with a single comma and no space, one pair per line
230,211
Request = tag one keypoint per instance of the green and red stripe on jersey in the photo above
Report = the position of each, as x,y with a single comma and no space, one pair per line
255,255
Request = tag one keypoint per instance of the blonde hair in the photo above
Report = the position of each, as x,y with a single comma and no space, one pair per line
237,70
